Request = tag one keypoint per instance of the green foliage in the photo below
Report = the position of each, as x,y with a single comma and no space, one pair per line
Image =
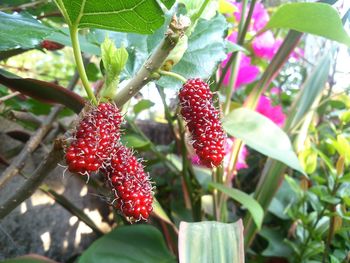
135,243
142,17
246,200
261,134
44,91
211,242
314,18
114,60
15,31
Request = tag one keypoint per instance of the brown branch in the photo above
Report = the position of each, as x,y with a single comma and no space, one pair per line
25,116
10,96
34,141
175,30
34,181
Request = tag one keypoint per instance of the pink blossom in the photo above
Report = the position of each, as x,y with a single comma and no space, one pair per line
260,17
241,162
247,72
264,46
274,113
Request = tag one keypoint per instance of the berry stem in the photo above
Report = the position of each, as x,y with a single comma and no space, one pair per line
80,65
173,75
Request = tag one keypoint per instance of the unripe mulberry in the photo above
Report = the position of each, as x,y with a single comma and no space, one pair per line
131,185
51,45
94,139
203,121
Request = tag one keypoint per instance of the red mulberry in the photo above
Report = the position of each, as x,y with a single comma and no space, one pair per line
94,139
130,184
203,121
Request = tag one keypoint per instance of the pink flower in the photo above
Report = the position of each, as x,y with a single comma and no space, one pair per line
241,162
260,16
264,46
247,72
274,113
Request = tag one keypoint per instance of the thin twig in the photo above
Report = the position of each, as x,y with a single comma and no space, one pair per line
34,141
10,96
24,116
34,181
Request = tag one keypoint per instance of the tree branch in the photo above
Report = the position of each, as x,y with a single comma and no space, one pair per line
154,62
35,140
34,181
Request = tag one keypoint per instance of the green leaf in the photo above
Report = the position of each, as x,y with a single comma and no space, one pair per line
114,60
63,38
134,141
168,3
246,200
311,89
142,105
32,258
206,49
276,246
314,18
261,134
21,31
159,212
42,90
139,16
135,243
211,242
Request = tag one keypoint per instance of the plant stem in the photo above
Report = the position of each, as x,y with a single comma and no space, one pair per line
80,64
197,15
153,63
240,41
173,75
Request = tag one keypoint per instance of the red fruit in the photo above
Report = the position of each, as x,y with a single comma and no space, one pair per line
51,45
203,121
130,184
94,139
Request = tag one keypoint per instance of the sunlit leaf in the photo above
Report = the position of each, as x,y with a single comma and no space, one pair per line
314,18
261,134
143,16
212,241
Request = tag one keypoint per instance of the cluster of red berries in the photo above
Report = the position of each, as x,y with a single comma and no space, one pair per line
203,121
96,147
51,45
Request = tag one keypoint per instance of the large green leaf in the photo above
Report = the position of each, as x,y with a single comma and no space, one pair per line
311,89
134,244
211,242
42,90
139,16
246,200
21,31
261,134
314,18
